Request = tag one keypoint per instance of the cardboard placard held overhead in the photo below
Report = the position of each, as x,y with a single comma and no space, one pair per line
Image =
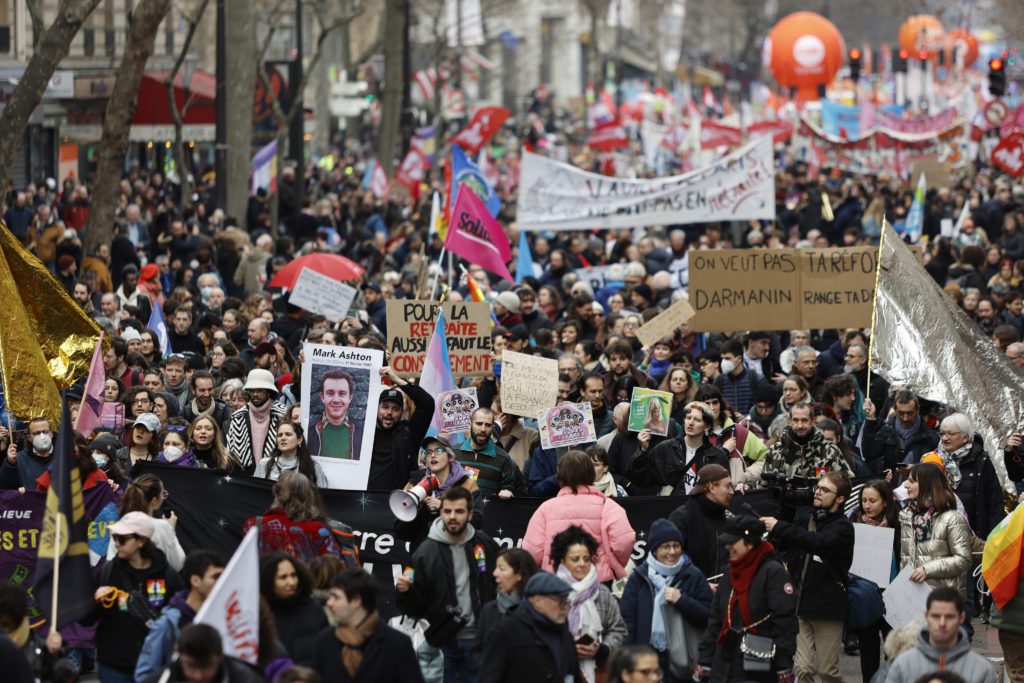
665,323
467,328
837,286
528,383
321,294
935,172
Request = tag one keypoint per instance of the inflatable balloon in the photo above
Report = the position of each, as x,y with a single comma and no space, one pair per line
804,51
922,32
963,40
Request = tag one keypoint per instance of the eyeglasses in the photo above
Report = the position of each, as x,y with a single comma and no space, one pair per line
139,401
824,489
440,450
121,539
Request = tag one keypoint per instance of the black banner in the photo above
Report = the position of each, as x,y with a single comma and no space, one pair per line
212,508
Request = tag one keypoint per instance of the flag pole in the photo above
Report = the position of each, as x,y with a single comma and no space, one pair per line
874,310
56,567
437,278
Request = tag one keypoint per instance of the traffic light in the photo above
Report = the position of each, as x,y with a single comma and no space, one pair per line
923,56
855,55
899,61
996,77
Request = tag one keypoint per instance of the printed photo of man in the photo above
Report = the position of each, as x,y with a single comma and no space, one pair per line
335,434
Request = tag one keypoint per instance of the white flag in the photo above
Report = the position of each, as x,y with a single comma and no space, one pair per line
965,213
233,606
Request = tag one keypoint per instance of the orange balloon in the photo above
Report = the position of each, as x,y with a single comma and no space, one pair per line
967,43
922,32
804,50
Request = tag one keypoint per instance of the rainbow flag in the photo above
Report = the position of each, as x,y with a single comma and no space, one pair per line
475,293
1001,562
437,374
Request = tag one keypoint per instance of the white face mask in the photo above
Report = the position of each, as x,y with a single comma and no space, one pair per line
42,442
101,459
728,366
173,453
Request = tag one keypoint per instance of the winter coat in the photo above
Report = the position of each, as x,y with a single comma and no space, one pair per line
515,652
1011,616
601,517
666,465
701,521
771,592
787,456
613,627
158,648
26,472
298,619
885,452
388,657
250,272
240,437
637,603
821,584
979,490
923,659
945,556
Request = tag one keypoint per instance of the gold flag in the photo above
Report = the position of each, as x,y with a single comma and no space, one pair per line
46,339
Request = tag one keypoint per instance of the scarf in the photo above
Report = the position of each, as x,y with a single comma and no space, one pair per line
353,640
921,521
259,428
583,614
905,434
606,485
741,576
661,576
952,463
658,368
506,601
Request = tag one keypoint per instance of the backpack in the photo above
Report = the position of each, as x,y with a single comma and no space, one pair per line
346,540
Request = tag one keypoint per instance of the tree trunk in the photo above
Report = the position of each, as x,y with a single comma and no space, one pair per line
391,100
35,13
145,22
241,91
47,54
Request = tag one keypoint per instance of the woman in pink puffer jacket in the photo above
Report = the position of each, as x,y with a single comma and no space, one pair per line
579,503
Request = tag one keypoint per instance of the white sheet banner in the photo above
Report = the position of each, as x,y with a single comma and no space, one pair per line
557,196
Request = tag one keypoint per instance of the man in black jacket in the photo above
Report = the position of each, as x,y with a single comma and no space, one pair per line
703,517
819,552
902,440
532,642
675,462
396,442
451,582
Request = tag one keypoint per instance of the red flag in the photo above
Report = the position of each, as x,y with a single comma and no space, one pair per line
412,171
779,130
484,125
608,138
476,236
717,135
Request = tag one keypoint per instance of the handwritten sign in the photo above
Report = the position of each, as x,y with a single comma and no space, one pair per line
528,383
649,409
872,553
568,424
455,409
905,600
782,289
318,293
665,323
467,328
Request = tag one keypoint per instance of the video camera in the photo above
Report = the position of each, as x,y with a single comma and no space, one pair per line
790,491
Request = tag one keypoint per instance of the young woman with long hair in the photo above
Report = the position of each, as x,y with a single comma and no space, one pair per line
290,454
935,538
147,494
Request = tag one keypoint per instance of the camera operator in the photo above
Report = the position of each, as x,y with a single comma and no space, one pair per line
819,551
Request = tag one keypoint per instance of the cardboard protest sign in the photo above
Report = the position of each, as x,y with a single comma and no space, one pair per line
467,327
318,293
837,286
568,424
340,390
528,383
665,323
650,409
455,409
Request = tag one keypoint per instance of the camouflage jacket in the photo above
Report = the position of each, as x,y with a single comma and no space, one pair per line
788,457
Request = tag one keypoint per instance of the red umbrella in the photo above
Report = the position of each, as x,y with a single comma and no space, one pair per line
331,265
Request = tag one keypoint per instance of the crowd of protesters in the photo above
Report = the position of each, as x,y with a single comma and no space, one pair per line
716,596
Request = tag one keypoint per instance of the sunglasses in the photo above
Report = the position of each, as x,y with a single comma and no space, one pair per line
121,539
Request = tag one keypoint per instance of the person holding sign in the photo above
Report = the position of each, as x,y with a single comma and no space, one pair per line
673,464
396,441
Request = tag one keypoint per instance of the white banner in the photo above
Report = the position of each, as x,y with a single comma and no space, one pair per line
340,392
233,606
557,196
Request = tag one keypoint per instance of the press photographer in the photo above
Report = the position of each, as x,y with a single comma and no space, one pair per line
818,548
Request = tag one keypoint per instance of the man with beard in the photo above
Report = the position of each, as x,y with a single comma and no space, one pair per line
857,366
492,468
203,402
396,441
182,337
452,570
803,451
336,434
252,433
703,517
533,318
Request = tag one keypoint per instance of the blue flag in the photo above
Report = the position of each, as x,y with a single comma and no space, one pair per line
158,324
368,174
464,170
63,538
524,259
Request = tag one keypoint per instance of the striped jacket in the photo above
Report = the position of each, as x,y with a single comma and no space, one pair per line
240,436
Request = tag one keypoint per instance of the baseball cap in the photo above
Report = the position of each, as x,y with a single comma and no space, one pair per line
393,395
743,527
435,438
148,420
264,348
138,523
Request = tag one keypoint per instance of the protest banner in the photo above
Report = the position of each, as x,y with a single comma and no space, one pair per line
455,408
112,415
649,409
233,606
599,276
872,553
321,294
467,328
340,390
567,424
528,383
782,289
665,323
557,196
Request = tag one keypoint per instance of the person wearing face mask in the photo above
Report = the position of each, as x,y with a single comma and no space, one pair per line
176,450
88,470
104,452
21,469
396,442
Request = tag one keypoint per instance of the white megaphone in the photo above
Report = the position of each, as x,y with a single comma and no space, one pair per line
405,504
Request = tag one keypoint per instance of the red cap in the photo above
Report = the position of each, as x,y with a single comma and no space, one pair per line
149,271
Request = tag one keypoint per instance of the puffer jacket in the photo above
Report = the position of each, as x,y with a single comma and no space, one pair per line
601,517
945,556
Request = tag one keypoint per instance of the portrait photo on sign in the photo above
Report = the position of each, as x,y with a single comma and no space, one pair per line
649,409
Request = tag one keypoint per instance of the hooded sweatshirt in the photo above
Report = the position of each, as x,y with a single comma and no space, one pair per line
924,658
461,565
